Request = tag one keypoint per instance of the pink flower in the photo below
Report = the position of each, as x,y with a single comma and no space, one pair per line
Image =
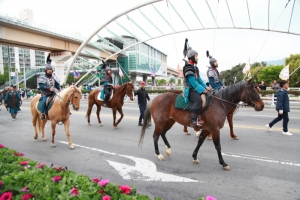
56,178
24,189
27,196
125,189
74,191
6,196
2,146
210,198
18,154
40,165
24,163
101,192
95,180
1,183
103,182
106,197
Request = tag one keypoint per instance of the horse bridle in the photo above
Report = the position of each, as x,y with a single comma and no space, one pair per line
247,93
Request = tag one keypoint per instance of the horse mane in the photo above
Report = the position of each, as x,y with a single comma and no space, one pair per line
65,91
230,92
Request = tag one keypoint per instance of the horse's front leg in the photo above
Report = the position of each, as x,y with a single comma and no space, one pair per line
98,114
216,139
67,130
229,119
114,117
120,110
186,131
53,127
201,139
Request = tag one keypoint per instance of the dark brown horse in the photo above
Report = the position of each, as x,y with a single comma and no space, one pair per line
229,119
115,103
164,115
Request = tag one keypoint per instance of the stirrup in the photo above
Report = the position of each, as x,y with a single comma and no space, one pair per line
199,121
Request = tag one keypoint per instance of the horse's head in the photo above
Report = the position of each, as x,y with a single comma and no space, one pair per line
75,97
251,96
130,90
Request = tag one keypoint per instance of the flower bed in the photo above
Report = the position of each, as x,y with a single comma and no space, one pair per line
22,178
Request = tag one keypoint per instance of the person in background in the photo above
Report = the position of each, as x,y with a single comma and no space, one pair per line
262,86
13,101
213,74
107,83
275,85
282,107
142,100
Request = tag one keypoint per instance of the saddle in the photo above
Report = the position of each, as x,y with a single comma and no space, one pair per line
180,103
102,99
49,103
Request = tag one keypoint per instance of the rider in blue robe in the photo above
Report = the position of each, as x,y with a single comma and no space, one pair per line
213,73
107,83
13,101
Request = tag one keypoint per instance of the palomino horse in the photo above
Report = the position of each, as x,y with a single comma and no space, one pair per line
59,112
229,119
115,103
165,114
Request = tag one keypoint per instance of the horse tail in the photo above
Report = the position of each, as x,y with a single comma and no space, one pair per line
147,121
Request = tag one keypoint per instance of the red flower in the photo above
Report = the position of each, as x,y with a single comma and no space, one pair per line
56,178
58,168
106,197
27,196
1,183
2,146
24,163
18,154
95,180
74,191
101,192
40,165
6,196
125,189
103,182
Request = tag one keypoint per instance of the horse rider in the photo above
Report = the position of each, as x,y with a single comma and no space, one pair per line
107,82
13,101
213,73
194,85
48,82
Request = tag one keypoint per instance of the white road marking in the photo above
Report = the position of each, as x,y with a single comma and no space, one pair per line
273,116
144,170
263,159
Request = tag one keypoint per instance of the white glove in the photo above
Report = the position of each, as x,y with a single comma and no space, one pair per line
280,112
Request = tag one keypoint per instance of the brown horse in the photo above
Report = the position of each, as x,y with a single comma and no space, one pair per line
229,119
59,112
115,103
165,114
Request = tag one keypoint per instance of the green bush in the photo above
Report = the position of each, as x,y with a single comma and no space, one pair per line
22,178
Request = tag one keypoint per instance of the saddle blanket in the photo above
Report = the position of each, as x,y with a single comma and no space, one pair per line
180,103
101,95
49,103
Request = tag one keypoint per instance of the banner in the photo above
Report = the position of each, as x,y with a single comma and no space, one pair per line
285,73
76,74
152,71
120,72
247,67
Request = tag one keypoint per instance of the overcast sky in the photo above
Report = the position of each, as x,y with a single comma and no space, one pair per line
230,47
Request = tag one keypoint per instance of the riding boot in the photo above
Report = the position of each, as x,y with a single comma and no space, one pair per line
199,121
193,120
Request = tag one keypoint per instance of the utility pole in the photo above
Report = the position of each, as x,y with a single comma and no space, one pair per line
9,67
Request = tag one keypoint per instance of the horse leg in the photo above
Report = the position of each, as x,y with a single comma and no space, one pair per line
186,131
114,117
167,127
98,114
201,139
42,125
88,113
53,126
35,123
229,119
156,135
197,130
216,139
67,130
120,110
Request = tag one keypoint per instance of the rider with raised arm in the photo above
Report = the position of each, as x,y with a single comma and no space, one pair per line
194,85
107,82
213,74
47,83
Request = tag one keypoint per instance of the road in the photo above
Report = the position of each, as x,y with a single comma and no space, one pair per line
264,165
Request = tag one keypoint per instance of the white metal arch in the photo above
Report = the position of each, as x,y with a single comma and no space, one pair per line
170,6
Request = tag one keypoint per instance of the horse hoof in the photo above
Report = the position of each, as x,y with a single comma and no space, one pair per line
72,147
196,161
236,138
209,137
116,127
197,133
101,124
187,133
160,157
35,137
168,151
44,139
226,168
89,124
53,145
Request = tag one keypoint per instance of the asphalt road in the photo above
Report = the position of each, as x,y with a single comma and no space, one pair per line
264,165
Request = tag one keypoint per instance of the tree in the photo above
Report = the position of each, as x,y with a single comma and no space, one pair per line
294,62
171,80
161,81
4,77
269,74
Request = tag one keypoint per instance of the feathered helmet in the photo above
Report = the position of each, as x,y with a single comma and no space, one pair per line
48,65
105,67
211,59
189,52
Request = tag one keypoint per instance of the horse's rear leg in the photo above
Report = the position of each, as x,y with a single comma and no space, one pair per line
53,127
203,135
229,119
158,130
167,127
42,128
216,139
186,131
88,112
67,129
122,115
35,124
98,114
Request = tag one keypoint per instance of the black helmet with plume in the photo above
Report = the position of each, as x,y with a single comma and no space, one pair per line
104,66
211,59
48,66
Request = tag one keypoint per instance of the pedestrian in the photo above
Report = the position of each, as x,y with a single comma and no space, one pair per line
13,101
262,86
282,107
142,100
275,85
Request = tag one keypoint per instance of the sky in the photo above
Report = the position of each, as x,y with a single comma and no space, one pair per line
229,47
